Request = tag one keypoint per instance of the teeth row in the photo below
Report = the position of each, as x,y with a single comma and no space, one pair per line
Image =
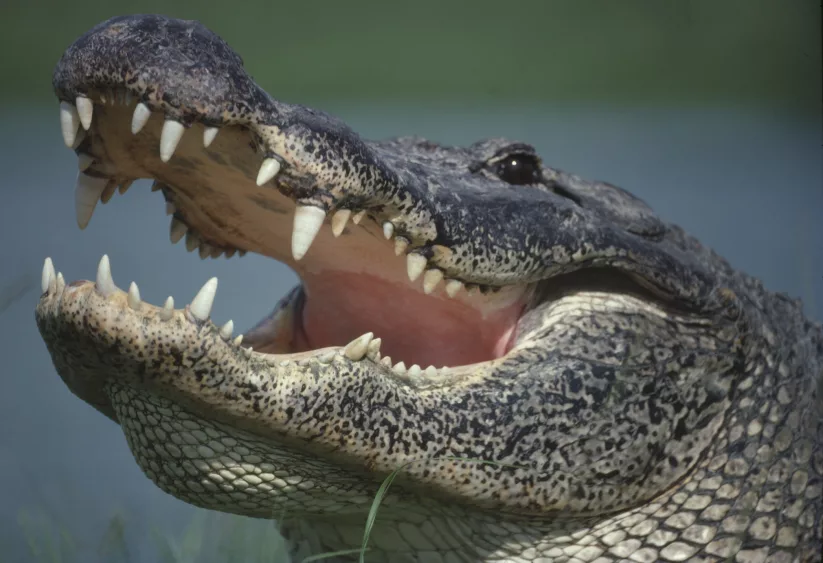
194,241
369,346
365,346
199,308
308,219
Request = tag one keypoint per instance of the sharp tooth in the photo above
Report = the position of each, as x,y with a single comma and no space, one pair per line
169,137
230,252
307,222
84,161
431,371
61,283
238,340
358,217
216,252
48,275
268,170
81,135
168,309
170,208
357,348
133,297
108,193
69,122
415,264
430,280
104,282
85,108
205,250
192,241
386,361
453,287
241,253
226,330
201,304
177,230
400,368
86,194
374,349
124,187
388,230
142,113
339,220
209,133
414,370
156,186
400,246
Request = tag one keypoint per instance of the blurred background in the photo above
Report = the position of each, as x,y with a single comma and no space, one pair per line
710,111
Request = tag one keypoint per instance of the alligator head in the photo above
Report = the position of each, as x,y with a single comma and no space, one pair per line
552,369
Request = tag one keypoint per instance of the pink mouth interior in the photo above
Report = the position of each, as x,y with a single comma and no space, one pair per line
415,328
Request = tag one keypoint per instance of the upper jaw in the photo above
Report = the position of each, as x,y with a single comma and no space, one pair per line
455,225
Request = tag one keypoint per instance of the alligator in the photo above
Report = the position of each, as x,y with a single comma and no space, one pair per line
598,386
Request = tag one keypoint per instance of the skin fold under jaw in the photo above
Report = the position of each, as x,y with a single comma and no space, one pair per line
634,396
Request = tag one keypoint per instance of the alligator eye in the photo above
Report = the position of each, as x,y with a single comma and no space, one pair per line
519,169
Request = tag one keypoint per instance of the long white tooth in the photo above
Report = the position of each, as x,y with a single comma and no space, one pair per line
307,222
453,287
169,137
209,133
86,194
141,116
85,108
69,122
177,230
414,370
124,187
48,275
400,246
168,309
238,340
430,280
170,208
133,297
81,136
226,330
61,283
388,230
104,282
358,217
374,349
400,368
268,170
201,304
84,161
339,221
415,264
357,348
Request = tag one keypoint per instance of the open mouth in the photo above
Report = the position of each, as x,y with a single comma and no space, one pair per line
364,287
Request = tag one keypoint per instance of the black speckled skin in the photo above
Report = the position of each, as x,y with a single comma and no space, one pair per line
657,404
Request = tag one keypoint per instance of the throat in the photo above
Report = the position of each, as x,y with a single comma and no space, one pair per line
415,328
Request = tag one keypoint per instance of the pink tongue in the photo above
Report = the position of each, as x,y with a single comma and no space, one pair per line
415,328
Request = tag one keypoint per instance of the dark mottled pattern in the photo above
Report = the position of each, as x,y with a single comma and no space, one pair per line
658,405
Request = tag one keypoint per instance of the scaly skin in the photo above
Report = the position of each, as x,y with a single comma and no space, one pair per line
638,398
